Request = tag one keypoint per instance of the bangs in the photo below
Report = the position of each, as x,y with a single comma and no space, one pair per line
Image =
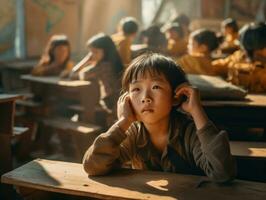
153,65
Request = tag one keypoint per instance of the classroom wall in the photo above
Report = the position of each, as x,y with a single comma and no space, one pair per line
7,29
44,18
104,15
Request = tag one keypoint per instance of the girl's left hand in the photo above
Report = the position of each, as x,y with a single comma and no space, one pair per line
191,95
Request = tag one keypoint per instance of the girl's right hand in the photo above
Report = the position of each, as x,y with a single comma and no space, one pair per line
125,112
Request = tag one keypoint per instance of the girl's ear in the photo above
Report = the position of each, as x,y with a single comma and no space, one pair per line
177,101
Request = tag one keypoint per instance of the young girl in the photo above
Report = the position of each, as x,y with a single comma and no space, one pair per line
152,134
230,33
123,39
177,46
200,46
55,59
102,65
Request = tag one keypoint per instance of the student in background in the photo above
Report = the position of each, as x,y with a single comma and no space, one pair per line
153,40
152,134
200,46
104,67
184,22
249,70
230,43
176,46
55,59
127,31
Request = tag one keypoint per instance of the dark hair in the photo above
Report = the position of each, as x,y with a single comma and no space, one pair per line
174,27
231,23
55,41
252,37
155,38
129,25
206,37
181,19
104,42
154,64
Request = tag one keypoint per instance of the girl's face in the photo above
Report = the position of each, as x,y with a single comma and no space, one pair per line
61,53
97,54
151,98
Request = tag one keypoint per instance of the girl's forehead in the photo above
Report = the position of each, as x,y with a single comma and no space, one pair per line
149,75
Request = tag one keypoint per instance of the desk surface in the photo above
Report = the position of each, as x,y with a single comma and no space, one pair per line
55,80
251,100
69,178
20,64
9,97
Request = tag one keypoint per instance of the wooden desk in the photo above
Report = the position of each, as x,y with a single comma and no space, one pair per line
69,178
250,113
11,72
51,87
7,111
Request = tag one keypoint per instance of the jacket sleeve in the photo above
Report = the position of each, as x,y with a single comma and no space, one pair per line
211,152
110,150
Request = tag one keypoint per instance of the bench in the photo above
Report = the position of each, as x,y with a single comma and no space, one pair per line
80,134
70,179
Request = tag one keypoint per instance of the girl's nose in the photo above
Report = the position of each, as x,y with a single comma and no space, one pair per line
146,100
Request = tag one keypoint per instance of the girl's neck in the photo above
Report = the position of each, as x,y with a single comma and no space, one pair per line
159,128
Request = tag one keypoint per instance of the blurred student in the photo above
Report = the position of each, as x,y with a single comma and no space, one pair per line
183,21
152,39
102,65
200,46
123,39
230,43
152,134
55,59
176,45
247,67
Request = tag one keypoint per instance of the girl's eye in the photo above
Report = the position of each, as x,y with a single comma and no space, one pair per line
156,87
134,89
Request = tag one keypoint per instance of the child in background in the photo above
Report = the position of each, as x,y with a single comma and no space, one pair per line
184,22
104,66
153,40
200,46
152,134
55,59
249,71
230,33
176,46
127,31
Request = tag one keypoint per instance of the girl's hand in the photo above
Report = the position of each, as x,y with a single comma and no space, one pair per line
192,104
191,96
125,112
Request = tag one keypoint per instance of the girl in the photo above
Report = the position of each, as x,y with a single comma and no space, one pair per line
176,46
55,59
152,134
102,65
200,46
230,33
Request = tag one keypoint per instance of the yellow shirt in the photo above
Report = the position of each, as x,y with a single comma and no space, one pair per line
176,48
196,65
123,45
